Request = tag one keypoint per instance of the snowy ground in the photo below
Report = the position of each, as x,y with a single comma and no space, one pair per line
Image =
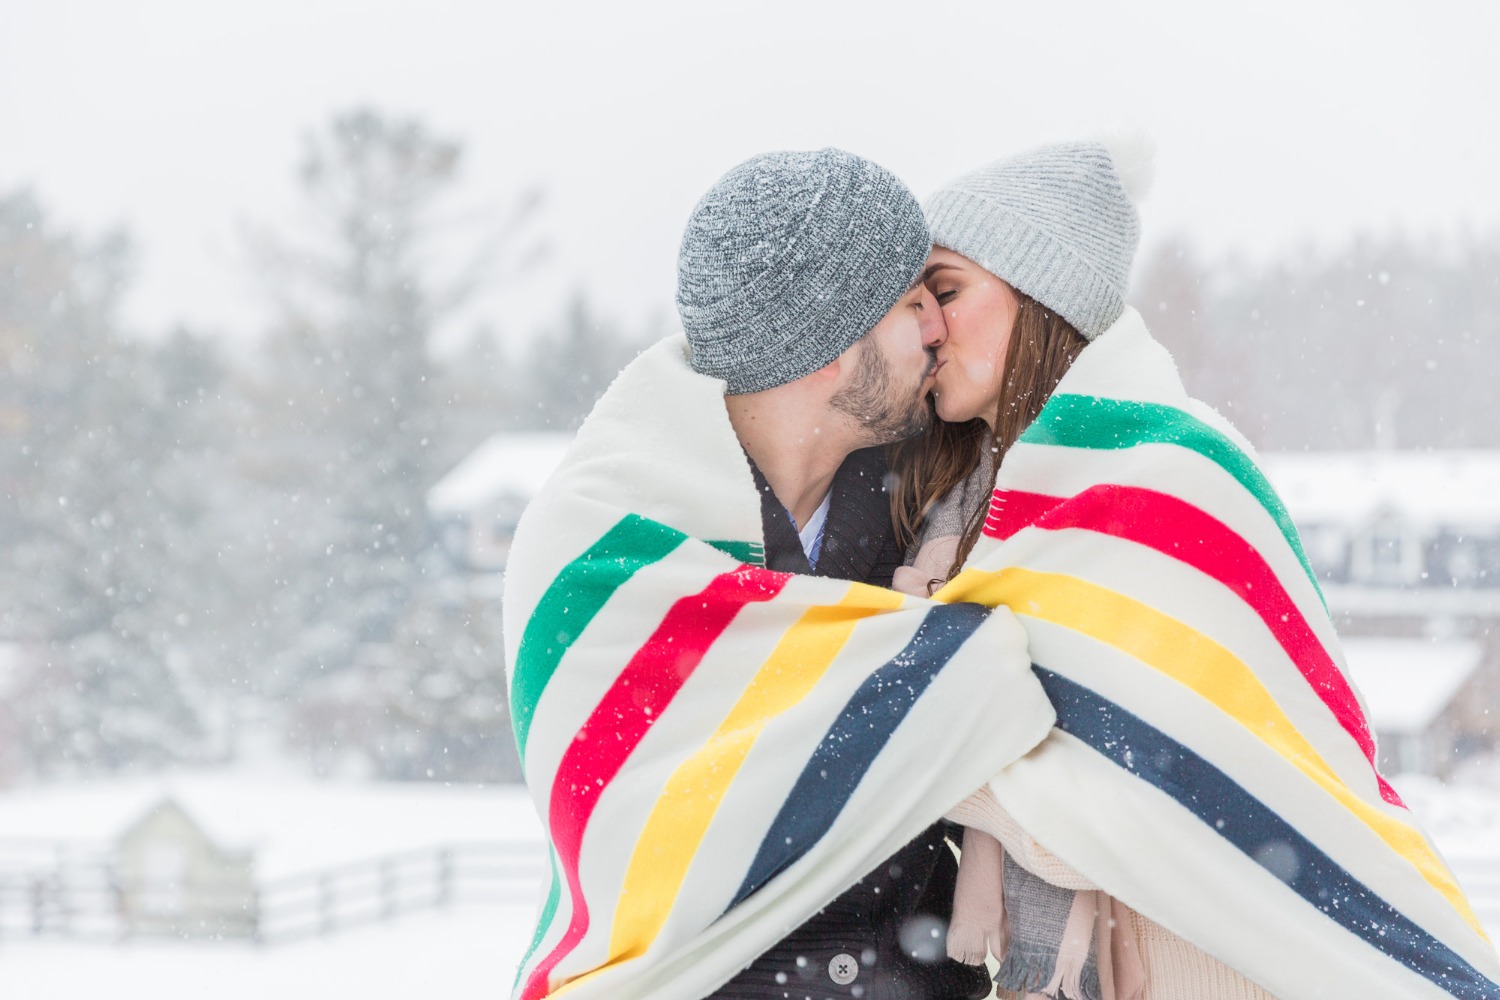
468,951
294,826
465,953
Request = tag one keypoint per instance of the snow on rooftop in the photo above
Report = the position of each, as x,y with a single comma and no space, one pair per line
1408,682
1456,488
293,825
514,464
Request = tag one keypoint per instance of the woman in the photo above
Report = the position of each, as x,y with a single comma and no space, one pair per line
1210,754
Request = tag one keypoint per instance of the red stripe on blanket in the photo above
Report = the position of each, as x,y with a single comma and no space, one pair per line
1186,533
636,699
1012,510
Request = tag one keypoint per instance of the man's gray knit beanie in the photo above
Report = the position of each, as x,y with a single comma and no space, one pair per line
1057,223
789,259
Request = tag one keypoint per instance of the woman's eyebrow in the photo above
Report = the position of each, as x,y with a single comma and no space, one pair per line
934,268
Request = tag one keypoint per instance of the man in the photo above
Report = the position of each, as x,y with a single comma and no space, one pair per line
798,286
740,760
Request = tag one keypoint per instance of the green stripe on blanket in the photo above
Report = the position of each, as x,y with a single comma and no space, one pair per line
578,593
1097,422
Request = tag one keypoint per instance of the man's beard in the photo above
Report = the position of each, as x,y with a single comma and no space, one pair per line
884,411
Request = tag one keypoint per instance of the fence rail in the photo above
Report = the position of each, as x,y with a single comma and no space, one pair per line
89,902
384,888
82,899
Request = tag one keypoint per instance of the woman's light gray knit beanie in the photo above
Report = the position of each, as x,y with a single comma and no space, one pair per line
789,259
1058,223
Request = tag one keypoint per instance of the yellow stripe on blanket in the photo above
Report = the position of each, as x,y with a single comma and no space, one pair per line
687,805
1207,668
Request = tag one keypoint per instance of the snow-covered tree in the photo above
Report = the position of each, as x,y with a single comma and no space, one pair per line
563,371
356,430
110,586
1379,343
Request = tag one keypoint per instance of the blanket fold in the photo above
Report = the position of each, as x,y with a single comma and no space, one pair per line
1213,768
717,750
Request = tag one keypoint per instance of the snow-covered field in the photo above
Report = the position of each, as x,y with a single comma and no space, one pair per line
469,950
465,953
294,826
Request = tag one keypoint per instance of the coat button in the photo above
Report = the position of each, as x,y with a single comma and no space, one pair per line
843,969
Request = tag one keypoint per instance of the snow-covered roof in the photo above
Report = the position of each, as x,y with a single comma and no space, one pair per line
1408,682
1455,488
511,463
293,825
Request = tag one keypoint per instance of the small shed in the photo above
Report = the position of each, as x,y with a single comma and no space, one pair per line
173,878
1413,689
118,859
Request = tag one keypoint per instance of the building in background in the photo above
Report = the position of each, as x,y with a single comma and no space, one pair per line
1417,692
140,864
225,855
174,878
476,506
1406,546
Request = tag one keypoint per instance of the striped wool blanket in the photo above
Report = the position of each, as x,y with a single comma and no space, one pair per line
716,750
1212,767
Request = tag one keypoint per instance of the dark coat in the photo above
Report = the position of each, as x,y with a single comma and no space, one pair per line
903,905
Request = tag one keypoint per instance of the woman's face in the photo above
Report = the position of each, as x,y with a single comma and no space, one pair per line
980,311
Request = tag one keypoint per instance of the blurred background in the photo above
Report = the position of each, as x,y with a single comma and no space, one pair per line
299,303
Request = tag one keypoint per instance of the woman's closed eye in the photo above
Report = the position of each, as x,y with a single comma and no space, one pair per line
943,297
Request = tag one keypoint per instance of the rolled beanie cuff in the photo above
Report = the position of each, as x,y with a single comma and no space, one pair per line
1088,302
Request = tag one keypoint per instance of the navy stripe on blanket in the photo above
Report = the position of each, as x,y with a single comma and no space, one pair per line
855,739
1260,834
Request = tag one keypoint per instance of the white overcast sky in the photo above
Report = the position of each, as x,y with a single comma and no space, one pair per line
1276,122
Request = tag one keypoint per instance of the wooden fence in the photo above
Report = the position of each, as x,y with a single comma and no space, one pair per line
82,900
85,901
384,888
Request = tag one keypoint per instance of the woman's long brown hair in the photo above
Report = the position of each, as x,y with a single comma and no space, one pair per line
1042,348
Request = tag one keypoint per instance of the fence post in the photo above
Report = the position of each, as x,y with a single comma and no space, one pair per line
252,901
64,902
120,905
387,888
38,902
325,903
445,876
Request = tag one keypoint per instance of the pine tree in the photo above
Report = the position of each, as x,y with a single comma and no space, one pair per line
108,577
357,432
567,369
1379,343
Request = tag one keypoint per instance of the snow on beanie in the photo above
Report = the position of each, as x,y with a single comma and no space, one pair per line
1057,223
789,259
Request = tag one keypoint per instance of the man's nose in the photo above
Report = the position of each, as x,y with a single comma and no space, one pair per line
934,327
